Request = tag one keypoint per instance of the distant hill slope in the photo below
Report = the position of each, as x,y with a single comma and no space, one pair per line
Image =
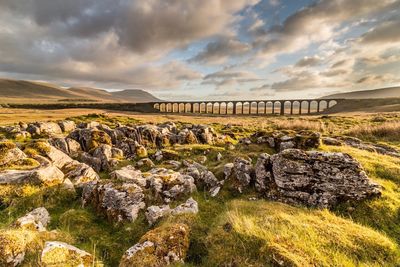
390,92
14,91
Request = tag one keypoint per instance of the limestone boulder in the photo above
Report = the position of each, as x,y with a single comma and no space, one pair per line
129,174
320,179
44,128
57,253
118,202
90,138
47,176
10,154
80,173
162,246
169,185
104,154
36,220
67,126
90,160
190,206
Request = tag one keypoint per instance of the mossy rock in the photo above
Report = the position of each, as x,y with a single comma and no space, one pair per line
159,247
62,254
98,138
14,244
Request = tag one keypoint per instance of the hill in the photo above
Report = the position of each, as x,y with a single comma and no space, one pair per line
390,92
15,91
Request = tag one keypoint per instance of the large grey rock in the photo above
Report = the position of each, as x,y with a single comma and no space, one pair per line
320,179
66,145
154,213
118,202
146,162
93,162
90,138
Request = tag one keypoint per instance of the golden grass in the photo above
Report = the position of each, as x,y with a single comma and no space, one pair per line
265,233
380,213
301,124
389,131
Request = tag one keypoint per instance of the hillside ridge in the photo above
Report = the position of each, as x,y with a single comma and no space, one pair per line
21,91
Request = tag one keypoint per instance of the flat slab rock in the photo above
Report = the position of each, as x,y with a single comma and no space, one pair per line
319,179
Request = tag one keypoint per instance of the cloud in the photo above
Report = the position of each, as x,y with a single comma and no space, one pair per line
377,79
315,23
387,32
335,72
219,51
114,42
229,78
309,61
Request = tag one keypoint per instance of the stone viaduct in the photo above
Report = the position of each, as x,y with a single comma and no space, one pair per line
247,107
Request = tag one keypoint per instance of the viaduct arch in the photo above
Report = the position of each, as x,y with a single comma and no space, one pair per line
247,107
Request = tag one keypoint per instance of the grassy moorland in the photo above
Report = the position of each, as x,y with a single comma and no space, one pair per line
232,229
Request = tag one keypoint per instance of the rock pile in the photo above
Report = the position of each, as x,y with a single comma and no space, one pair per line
122,198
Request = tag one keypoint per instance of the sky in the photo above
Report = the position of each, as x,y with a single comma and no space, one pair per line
204,49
